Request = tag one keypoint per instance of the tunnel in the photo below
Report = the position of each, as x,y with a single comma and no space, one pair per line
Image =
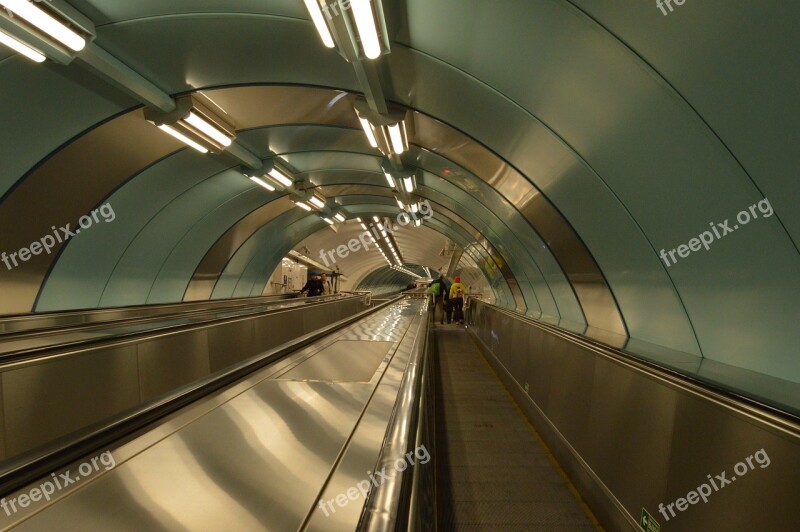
604,191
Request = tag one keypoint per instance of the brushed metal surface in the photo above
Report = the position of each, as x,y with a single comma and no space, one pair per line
171,361
69,391
631,438
45,400
342,361
254,457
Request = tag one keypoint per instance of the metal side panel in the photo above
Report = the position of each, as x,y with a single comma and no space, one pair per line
342,361
231,343
631,438
3,428
170,362
50,399
256,463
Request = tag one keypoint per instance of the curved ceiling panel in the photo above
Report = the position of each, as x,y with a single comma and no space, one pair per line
587,131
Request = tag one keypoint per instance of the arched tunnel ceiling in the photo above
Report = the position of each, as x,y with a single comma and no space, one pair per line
566,122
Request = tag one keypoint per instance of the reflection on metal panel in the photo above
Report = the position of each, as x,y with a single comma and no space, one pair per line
342,361
256,463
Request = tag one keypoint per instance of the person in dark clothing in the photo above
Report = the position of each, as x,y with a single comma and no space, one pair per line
441,297
314,286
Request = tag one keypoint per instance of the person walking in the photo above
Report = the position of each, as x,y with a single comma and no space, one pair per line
314,286
436,289
457,292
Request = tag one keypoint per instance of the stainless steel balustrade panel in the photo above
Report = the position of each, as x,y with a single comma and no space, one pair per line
256,463
45,400
342,361
253,457
646,440
51,397
2,423
169,362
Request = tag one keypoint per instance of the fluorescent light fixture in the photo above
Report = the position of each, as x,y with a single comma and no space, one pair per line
43,21
317,202
281,178
358,220
376,219
183,138
400,204
263,183
408,183
390,179
364,227
303,205
328,220
417,222
383,233
339,216
367,30
398,146
198,122
414,208
368,130
319,21
21,48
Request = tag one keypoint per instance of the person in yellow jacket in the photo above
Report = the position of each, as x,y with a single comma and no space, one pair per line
457,292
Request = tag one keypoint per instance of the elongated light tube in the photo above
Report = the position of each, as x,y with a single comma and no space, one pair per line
400,204
376,219
49,25
368,130
397,139
328,220
21,48
183,138
262,183
304,206
339,216
414,208
200,123
319,21
364,227
409,184
281,178
316,202
417,222
365,24
390,179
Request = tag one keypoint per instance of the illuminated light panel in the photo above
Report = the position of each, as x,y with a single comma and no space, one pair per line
390,179
328,220
414,208
21,48
408,183
368,130
365,227
340,217
304,206
397,139
262,183
209,130
49,25
319,21
376,219
400,204
281,178
316,202
367,30
183,138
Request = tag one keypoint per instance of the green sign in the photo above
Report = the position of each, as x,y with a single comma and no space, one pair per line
648,523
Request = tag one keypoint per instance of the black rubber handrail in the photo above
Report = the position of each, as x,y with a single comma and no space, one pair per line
39,463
